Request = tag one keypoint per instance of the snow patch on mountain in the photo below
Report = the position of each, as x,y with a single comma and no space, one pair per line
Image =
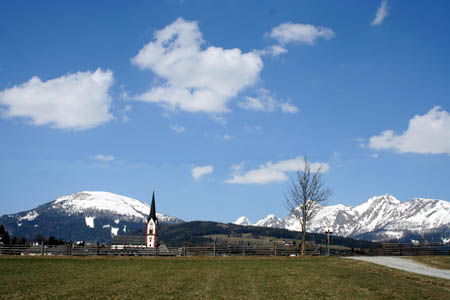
242,221
30,216
89,221
114,231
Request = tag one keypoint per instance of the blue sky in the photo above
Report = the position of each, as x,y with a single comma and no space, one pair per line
215,102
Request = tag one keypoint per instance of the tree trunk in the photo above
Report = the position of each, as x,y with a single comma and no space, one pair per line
303,237
303,242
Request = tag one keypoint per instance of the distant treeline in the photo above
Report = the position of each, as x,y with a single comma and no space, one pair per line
197,232
5,239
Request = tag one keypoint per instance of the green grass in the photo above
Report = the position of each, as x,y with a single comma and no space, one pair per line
440,262
210,278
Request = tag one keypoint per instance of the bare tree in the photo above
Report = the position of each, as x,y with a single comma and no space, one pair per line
305,194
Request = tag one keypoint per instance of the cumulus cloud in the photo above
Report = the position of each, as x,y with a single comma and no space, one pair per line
271,172
382,13
76,101
265,101
104,158
177,128
307,34
195,79
429,133
199,171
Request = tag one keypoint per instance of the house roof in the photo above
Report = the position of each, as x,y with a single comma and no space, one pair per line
128,240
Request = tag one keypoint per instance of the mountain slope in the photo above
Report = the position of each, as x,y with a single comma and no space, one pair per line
379,218
90,216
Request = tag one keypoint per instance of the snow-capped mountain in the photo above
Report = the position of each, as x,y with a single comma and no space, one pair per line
271,221
92,216
242,221
379,218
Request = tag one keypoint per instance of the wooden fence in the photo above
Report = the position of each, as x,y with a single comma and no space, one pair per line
398,249
215,250
389,249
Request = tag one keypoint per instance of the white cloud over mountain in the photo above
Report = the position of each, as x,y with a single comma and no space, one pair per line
307,34
382,13
271,172
199,171
429,133
74,101
195,79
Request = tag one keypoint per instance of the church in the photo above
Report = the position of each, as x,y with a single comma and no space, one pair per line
151,230
149,239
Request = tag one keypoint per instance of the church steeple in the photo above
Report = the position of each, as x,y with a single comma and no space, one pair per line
151,231
152,215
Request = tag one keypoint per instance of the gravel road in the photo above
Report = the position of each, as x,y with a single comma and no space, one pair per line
405,265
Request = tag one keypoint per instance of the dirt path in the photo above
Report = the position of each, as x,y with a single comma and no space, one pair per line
405,265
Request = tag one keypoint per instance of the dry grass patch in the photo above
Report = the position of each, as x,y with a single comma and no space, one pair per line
439,262
210,278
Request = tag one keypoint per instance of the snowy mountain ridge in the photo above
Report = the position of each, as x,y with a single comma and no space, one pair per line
379,218
86,215
94,201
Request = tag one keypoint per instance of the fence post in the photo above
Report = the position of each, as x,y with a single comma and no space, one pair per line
184,249
98,248
244,251
214,247
70,248
42,247
275,248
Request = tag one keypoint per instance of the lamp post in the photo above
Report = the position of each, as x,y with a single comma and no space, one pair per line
328,232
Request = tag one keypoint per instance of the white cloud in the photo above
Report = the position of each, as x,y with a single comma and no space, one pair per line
177,128
76,101
104,158
288,108
382,13
265,101
300,33
429,133
274,50
271,172
198,172
196,80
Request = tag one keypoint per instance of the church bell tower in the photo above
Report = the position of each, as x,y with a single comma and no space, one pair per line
151,232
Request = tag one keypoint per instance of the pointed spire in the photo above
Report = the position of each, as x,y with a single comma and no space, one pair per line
153,210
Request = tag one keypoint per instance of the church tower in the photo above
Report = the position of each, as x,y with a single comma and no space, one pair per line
151,232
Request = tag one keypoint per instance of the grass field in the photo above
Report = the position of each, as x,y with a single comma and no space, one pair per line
210,278
439,262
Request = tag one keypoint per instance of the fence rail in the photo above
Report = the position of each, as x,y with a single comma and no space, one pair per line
398,249
106,250
389,249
